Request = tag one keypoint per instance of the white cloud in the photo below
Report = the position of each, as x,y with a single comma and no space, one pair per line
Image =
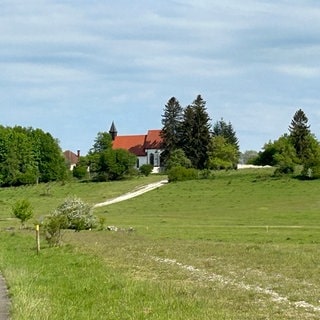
299,71
96,61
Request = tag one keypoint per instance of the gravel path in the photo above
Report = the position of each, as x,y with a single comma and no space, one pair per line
132,194
4,300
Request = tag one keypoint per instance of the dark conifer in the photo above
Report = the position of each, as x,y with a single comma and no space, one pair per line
171,130
299,133
196,133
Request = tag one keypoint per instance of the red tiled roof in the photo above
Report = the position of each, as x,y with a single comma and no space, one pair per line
153,140
137,144
134,144
71,157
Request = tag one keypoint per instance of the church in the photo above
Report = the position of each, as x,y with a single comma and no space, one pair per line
147,147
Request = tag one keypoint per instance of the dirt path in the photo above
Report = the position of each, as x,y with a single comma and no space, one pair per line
133,194
4,300
276,297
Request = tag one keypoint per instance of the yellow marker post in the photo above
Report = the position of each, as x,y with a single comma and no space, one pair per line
38,238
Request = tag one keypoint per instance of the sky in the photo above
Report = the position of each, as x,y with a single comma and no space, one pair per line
71,67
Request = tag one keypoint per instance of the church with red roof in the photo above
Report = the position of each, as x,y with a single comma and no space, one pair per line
147,147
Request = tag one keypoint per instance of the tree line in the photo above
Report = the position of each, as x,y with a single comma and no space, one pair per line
29,156
295,151
190,140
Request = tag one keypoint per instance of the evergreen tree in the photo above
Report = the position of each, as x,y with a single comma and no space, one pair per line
299,133
196,133
221,128
171,130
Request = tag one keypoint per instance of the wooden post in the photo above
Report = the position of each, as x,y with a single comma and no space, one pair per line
38,238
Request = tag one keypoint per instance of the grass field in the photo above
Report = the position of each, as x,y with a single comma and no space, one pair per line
243,245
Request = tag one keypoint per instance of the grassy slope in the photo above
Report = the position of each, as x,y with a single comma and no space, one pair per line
241,246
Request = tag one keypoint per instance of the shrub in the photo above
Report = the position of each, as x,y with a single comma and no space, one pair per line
53,226
78,213
182,174
80,172
22,210
206,174
74,214
146,169
284,169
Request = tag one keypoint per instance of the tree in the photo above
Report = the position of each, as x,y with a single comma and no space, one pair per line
106,163
196,133
285,157
23,211
311,163
48,156
248,157
102,142
28,156
17,162
299,132
80,171
178,159
171,130
280,153
222,154
221,128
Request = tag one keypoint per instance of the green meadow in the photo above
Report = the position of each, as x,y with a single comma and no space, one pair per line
241,245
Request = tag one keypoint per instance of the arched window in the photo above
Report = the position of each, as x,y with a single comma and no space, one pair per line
151,159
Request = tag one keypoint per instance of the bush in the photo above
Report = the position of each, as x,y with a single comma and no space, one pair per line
74,214
284,169
206,174
182,174
146,169
53,227
22,210
80,172
78,213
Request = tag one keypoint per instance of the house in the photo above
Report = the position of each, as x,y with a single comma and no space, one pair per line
71,158
147,147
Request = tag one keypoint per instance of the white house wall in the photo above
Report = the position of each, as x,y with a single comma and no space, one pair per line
146,159
156,153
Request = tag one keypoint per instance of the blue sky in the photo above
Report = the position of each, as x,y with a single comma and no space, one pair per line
72,67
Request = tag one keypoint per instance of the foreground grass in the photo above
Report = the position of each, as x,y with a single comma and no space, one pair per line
66,284
241,246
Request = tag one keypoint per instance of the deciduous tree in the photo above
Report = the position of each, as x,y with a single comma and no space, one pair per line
222,154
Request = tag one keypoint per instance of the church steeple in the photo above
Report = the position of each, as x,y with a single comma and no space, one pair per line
113,131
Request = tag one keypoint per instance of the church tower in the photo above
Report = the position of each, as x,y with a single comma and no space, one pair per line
113,131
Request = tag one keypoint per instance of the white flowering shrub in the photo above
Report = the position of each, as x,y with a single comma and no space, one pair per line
74,214
78,213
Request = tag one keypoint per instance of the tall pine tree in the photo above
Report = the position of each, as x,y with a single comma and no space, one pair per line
221,128
171,130
299,133
196,133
